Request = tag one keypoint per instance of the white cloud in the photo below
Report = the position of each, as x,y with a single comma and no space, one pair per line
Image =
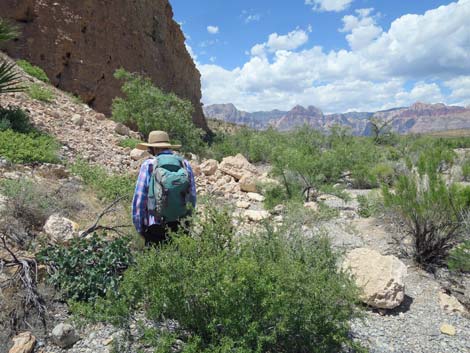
191,51
329,5
363,28
375,73
252,18
213,29
212,59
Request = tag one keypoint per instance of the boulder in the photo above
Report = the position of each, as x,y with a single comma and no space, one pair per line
23,343
242,204
450,304
448,330
381,278
64,336
78,120
60,229
255,197
312,205
137,154
195,167
122,129
100,116
248,183
237,166
256,216
209,167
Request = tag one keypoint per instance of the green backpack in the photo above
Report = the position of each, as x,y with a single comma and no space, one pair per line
169,189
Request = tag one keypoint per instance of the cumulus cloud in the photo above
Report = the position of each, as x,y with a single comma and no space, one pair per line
413,60
329,5
213,29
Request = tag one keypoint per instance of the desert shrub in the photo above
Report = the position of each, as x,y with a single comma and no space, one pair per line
16,119
33,70
459,257
87,268
370,205
148,108
382,173
431,210
27,148
268,292
107,186
466,169
40,93
129,142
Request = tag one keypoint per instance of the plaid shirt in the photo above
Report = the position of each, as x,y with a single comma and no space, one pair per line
140,216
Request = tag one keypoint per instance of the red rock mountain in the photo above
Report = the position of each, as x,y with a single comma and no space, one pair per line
81,43
418,118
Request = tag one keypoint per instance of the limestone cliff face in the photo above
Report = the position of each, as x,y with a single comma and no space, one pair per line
81,43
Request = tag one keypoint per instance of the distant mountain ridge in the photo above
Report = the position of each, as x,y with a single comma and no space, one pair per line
418,118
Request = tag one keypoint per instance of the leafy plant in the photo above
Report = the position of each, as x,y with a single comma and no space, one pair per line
108,186
26,148
16,119
87,268
148,108
33,70
129,142
40,93
459,257
264,293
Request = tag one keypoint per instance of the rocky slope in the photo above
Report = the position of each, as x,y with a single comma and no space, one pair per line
81,44
418,118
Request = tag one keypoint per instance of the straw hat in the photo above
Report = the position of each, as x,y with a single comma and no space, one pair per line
159,139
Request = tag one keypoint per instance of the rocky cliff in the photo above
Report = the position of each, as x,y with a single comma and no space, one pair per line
418,118
81,43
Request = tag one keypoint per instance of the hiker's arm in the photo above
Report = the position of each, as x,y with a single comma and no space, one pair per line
193,184
139,204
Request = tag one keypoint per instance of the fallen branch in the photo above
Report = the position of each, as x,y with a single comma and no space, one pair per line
96,226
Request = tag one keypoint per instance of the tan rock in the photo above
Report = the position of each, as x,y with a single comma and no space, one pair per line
78,120
137,154
312,205
121,129
209,167
100,116
196,168
447,329
237,166
243,204
381,278
256,216
248,183
60,229
255,197
23,343
450,304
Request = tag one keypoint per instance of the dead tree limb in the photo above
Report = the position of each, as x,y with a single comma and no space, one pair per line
96,226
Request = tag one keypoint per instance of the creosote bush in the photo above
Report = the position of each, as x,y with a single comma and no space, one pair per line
26,148
40,93
107,186
87,268
432,211
33,70
146,108
268,292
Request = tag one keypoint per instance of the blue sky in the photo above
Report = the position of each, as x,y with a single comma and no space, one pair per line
339,55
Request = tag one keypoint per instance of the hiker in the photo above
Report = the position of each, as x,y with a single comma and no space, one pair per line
165,192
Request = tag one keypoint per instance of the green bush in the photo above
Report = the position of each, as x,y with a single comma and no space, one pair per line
7,30
87,268
129,143
40,93
370,205
107,186
33,70
466,170
14,118
263,293
148,108
431,210
27,148
459,257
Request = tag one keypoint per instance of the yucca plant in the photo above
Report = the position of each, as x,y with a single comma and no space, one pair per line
9,78
7,30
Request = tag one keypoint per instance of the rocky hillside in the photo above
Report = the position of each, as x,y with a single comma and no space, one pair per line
81,44
418,118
